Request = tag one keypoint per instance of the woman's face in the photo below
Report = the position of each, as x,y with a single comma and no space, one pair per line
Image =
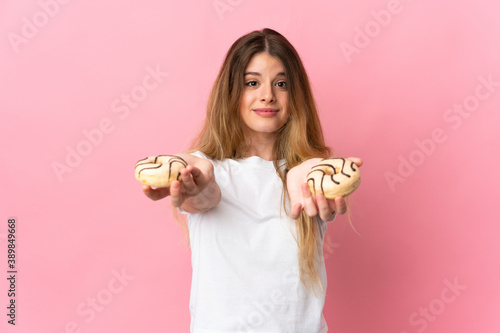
264,100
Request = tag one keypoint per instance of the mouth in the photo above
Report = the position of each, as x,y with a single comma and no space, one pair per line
266,112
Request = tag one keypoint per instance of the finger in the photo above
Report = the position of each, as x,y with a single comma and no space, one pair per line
340,204
309,204
196,172
295,193
324,208
331,205
176,193
295,212
188,180
358,161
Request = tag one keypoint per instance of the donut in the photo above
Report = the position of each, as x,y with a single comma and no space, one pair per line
159,171
334,177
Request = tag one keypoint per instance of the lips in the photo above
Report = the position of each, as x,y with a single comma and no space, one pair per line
266,112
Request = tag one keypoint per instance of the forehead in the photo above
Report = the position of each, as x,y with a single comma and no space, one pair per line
264,63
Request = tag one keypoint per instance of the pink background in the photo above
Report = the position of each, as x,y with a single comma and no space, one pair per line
388,78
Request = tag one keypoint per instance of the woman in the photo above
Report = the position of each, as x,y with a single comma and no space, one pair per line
256,231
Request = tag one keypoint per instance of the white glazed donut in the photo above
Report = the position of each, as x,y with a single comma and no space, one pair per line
159,171
334,177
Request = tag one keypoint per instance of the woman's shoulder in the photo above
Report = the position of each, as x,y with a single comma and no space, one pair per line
199,154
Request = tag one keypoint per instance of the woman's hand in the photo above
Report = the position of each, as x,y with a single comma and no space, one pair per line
155,193
197,191
302,199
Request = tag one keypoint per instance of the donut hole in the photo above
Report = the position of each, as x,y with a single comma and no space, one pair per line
332,171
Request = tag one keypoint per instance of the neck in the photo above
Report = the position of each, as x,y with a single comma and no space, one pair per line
262,146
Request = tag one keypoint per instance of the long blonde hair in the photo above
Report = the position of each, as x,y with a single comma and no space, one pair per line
301,138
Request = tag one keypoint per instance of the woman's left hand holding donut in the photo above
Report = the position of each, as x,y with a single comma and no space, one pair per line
301,197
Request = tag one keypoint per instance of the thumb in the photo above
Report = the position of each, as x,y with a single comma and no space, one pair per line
358,161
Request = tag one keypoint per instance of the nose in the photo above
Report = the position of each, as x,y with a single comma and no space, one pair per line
267,93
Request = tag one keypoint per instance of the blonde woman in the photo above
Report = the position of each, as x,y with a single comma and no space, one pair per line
256,232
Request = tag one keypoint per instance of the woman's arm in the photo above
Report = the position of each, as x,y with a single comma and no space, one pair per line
302,199
198,191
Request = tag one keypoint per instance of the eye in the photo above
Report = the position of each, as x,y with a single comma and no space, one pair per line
281,84
251,83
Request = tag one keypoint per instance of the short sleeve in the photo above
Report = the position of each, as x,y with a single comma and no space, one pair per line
182,211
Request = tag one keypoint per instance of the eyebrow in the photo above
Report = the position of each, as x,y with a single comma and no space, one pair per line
258,74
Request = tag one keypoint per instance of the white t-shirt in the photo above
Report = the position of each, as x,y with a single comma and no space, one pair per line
244,258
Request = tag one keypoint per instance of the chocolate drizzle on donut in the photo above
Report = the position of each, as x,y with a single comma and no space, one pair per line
153,167
313,184
174,159
342,170
343,166
322,178
319,181
144,159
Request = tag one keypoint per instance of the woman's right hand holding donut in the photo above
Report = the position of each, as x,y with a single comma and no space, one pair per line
193,182
197,192
155,193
